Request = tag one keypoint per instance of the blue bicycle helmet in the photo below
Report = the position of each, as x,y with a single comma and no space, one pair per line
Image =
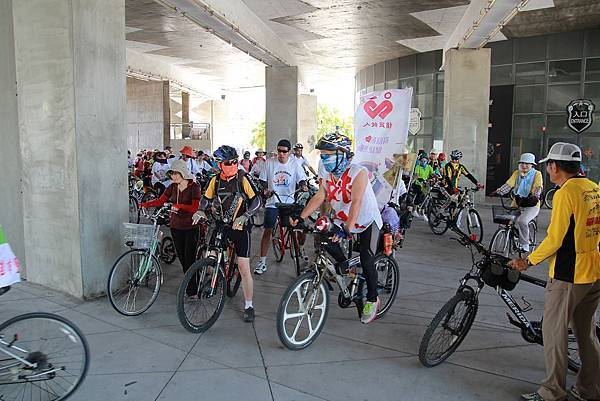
225,152
334,141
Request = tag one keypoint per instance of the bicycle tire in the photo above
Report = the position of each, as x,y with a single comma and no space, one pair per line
201,268
278,244
234,278
307,277
112,277
532,235
74,335
449,309
295,252
395,282
134,210
168,254
258,220
472,213
548,197
500,242
435,220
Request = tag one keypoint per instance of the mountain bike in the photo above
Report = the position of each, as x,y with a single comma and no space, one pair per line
201,294
505,240
136,276
452,323
43,356
457,210
304,306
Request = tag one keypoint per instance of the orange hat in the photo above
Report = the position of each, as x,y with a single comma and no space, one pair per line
188,151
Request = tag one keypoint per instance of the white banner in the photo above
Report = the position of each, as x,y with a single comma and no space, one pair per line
380,133
9,266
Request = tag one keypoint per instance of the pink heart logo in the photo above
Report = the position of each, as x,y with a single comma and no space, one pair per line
368,139
382,110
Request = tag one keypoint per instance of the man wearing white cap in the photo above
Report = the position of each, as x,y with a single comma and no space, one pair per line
573,289
526,184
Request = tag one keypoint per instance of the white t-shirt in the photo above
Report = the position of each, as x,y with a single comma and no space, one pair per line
258,167
282,179
160,169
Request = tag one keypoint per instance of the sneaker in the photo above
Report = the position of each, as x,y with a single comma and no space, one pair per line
574,394
425,219
531,397
369,312
260,268
249,315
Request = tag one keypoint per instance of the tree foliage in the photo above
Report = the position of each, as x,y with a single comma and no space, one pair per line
259,137
328,118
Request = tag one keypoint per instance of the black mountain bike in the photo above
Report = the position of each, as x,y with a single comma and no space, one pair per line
452,323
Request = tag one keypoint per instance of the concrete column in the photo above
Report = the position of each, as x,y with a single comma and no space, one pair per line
166,101
307,126
11,200
185,114
281,85
70,63
466,107
144,114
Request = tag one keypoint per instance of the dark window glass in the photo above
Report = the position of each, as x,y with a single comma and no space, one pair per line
406,83
592,69
392,85
557,125
592,42
425,104
425,84
391,70
380,86
529,99
501,75
530,49
407,66
438,128
564,71
530,73
592,92
526,136
440,82
439,104
379,73
502,52
426,63
565,45
559,96
370,76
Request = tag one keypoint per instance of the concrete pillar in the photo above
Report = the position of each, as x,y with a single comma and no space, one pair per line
70,64
466,107
185,114
307,126
166,100
281,85
145,114
11,200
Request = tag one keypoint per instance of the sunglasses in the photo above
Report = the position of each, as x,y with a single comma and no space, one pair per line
230,162
283,150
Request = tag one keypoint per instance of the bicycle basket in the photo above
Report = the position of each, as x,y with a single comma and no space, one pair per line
287,210
140,234
503,216
494,272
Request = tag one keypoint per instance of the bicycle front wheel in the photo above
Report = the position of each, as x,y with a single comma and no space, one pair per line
548,198
532,235
388,279
54,358
500,243
134,210
234,278
278,243
199,300
438,223
448,329
134,282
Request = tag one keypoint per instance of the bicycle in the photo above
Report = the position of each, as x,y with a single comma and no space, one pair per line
211,278
455,318
549,196
43,356
505,240
285,237
447,212
136,276
306,300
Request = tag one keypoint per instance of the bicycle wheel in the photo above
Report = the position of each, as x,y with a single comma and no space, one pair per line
259,218
500,243
388,279
167,250
438,223
574,361
134,210
199,304
56,355
278,244
234,278
474,224
448,329
302,312
134,282
532,235
548,197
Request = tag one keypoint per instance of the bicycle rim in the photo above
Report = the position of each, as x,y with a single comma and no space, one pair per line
475,226
388,278
57,350
500,242
134,282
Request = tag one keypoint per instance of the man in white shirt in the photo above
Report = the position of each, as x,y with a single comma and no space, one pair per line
302,160
160,181
258,163
281,175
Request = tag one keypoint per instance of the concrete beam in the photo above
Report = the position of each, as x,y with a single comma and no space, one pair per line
281,85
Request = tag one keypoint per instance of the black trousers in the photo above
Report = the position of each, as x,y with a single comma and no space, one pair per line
186,242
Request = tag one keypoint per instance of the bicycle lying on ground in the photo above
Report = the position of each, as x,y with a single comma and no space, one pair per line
43,357
505,240
304,306
444,212
452,323
136,276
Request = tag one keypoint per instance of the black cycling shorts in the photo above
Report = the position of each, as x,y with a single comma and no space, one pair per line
241,241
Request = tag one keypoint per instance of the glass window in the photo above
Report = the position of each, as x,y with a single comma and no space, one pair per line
425,84
425,104
565,45
362,79
557,126
440,82
439,104
380,86
407,66
559,96
592,69
370,80
530,49
370,89
529,99
391,70
406,83
564,71
379,73
530,73
428,62
592,42
590,146
392,85
438,129
501,75
502,52
592,92
526,135
426,127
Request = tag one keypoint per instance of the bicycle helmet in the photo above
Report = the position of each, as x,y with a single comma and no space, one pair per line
298,146
334,141
442,157
225,152
456,154
246,154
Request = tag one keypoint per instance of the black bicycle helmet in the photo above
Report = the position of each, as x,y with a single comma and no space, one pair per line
334,141
225,152
298,146
456,154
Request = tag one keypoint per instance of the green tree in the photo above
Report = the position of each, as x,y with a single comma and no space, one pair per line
259,138
328,118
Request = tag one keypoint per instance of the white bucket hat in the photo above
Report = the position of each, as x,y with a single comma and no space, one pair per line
563,151
528,158
180,167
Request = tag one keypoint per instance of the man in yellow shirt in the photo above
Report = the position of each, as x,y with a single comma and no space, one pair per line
573,289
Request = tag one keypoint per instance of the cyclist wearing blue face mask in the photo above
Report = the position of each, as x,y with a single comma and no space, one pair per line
346,187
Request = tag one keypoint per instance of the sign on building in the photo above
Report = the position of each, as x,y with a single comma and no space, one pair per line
414,125
580,115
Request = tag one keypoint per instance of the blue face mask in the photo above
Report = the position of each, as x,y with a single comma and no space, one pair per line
335,164
423,163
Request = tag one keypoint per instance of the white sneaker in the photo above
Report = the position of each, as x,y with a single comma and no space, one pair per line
425,219
260,268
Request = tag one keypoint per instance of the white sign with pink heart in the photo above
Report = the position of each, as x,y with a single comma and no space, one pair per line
380,132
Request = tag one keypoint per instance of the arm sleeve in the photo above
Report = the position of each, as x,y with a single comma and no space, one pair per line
263,173
157,202
559,224
508,185
469,175
191,208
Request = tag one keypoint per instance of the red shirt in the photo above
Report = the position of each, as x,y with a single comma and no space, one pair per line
186,201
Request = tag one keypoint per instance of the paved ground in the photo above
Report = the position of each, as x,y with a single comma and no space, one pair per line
151,357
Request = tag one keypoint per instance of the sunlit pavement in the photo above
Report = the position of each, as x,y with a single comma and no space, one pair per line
151,357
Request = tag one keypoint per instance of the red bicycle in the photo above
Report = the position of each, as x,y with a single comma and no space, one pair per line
285,237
